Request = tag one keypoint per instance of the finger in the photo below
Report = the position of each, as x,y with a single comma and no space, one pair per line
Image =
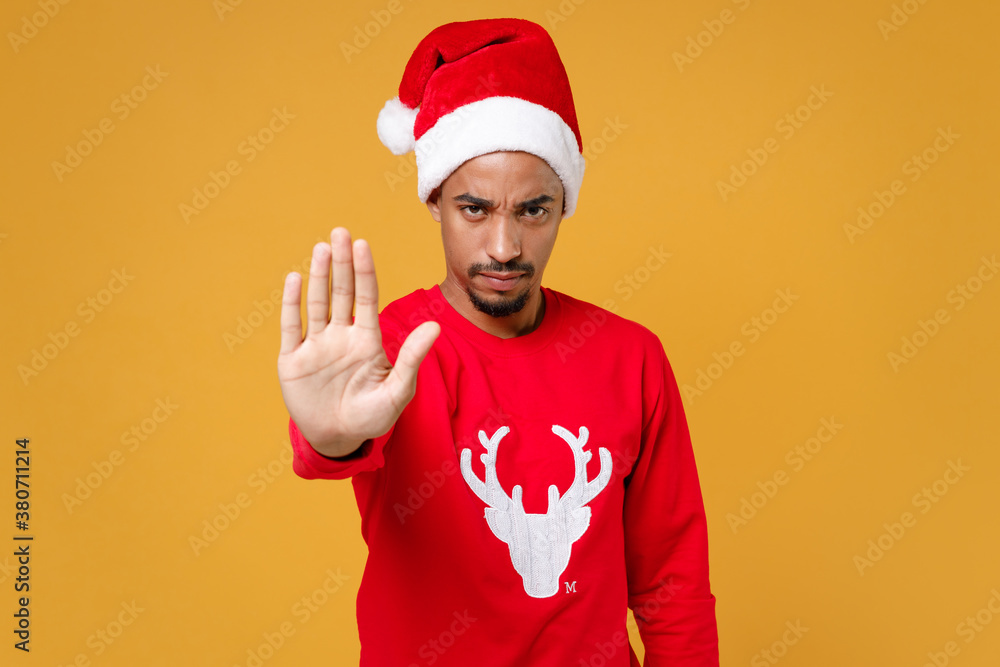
403,378
291,318
366,286
343,277
318,296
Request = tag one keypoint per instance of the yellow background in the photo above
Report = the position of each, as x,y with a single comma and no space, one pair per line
168,334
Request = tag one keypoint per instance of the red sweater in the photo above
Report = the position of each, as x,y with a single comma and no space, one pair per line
475,558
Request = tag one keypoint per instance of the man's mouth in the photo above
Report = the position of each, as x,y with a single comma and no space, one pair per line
501,281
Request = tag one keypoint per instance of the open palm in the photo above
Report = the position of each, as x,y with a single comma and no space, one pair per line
337,382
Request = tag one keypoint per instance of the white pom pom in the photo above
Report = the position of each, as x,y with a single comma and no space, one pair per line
395,127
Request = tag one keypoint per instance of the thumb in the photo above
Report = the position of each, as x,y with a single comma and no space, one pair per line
411,354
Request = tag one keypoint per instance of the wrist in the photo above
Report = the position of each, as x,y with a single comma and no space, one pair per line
336,448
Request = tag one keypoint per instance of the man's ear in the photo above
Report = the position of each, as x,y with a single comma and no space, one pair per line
432,204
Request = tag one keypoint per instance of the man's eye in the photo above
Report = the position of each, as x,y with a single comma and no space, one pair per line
473,210
534,211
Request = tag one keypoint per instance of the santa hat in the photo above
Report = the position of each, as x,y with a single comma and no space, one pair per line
476,87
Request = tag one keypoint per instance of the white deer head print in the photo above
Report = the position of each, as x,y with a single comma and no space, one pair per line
539,544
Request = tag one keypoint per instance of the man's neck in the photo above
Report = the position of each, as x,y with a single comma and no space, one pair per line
520,323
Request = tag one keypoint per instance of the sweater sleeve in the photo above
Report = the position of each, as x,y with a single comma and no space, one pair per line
666,537
310,464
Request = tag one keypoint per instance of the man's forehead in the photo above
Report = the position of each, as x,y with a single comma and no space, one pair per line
517,169
505,161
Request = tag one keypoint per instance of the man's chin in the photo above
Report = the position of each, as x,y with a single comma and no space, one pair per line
499,304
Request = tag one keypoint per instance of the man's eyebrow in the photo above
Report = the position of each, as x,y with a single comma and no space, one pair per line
489,203
475,201
541,199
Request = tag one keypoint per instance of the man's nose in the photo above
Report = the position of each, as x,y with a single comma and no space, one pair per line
504,241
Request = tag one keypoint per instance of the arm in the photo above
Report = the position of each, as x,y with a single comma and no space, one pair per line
666,539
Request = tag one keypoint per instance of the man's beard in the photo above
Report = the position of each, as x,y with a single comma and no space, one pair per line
503,307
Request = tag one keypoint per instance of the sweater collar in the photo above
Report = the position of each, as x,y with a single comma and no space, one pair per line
526,344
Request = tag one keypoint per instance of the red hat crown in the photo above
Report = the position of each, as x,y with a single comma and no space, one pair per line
488,84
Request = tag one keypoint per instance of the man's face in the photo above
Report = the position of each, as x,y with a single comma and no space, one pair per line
499,216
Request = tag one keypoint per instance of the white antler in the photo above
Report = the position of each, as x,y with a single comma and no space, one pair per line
581,491
489,491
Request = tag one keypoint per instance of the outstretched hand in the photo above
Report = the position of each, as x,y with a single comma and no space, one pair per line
337,382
